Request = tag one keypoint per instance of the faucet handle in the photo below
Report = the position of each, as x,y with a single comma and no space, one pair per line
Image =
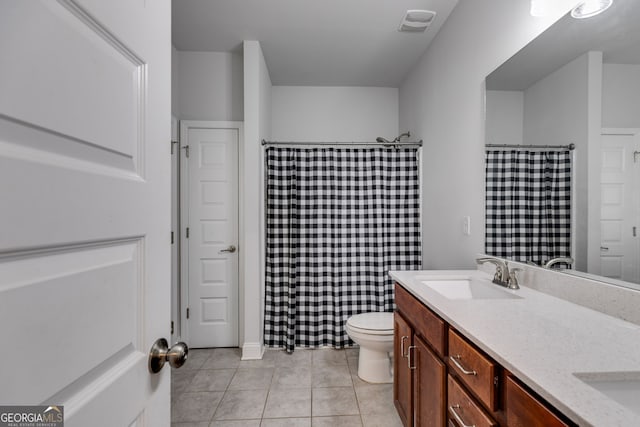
513,278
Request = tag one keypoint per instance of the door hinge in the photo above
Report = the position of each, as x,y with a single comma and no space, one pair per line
172,327
187,233
635,231
635,156
186,150
172,238
172,144
187,312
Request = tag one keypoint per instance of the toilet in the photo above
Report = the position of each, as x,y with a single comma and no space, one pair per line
373,332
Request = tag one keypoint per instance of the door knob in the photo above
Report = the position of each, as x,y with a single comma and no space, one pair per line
230,249
161,353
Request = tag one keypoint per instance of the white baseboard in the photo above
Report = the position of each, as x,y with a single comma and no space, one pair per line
252,351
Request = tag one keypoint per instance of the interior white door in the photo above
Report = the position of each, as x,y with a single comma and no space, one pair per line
619,249
84,229
210,202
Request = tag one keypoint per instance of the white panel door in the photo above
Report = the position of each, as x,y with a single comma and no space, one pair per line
619,249
84,211
210,201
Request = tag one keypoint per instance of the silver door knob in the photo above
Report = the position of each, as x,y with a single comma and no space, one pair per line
160,353
230,249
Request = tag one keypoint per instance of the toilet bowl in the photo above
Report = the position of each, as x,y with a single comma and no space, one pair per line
373,332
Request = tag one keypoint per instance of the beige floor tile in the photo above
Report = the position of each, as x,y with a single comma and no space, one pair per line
241,404
287,403
330,376
196,358
352,352
389,419
252,379
268,361
375,399
343,421
328,356
200,424
223,358
211,380
286,422
180,381
198,406
300,357
333,401
236,423
297,376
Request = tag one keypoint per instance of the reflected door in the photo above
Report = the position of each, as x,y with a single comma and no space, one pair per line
619,241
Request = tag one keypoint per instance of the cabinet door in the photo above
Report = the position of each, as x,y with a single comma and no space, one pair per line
524,410
429,390
401,372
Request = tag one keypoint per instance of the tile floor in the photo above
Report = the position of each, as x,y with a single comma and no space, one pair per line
309,388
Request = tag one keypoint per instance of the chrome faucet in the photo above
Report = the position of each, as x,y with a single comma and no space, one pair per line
554,261
502,276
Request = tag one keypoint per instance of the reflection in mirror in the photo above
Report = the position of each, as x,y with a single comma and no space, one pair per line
579,83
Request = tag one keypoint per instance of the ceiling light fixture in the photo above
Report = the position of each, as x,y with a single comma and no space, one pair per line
416,21
590,8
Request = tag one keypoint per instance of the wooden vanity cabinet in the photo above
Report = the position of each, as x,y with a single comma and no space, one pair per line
419,390
442,379
523,409
420,374
402,382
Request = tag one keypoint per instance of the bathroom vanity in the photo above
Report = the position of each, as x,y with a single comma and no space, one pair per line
468,352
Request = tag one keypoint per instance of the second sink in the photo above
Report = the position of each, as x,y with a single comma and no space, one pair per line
466,288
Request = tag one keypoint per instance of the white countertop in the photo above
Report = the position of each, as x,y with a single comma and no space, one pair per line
544,340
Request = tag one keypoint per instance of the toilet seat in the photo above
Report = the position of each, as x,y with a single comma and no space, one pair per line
376,323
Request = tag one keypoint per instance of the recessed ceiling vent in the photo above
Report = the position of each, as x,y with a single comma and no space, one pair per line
416,21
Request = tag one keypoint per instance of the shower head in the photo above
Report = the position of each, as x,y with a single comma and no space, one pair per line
397,139
383,140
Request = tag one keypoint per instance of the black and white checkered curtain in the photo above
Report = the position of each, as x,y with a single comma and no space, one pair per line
338,219
528,204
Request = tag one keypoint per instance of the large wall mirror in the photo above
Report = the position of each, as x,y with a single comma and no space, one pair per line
579,83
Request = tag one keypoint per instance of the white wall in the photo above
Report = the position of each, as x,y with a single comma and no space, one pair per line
505,117
557,112
555,108
621,96
442,102
209,86
313,114
257,126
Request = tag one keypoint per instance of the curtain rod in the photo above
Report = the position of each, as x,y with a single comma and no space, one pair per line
341,143
558,147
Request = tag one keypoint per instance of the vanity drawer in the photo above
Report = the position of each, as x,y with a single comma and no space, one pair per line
474,369
463,409
523,409
425,322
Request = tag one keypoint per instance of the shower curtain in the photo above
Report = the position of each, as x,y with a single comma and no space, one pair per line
337,220
528,204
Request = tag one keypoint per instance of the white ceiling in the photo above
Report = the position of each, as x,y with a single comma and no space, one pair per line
312,42
615,33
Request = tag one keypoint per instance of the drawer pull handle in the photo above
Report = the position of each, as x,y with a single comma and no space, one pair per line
453,408
402,346
455,360
409,357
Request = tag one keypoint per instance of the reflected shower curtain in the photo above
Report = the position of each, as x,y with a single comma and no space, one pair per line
528,204
337,220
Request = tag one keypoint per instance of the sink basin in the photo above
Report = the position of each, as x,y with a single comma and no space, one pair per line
467,288
623,387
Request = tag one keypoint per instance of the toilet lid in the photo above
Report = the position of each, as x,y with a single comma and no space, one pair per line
380,322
